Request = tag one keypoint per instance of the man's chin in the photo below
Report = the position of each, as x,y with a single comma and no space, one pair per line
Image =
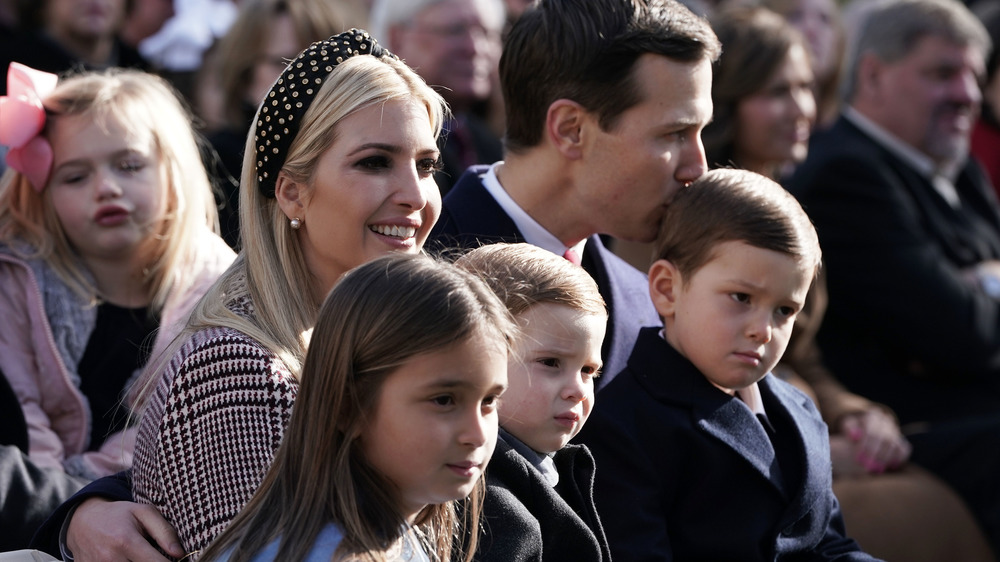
948,150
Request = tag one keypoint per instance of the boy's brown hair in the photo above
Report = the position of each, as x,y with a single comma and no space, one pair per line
734,205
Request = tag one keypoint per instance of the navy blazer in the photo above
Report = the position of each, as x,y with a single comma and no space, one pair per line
470,217
905,326
687,472
525,518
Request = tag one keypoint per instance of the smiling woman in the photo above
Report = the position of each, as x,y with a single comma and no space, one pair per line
338,151
762,91
379,179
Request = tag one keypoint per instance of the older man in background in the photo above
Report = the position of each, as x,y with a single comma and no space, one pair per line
455,46
910,230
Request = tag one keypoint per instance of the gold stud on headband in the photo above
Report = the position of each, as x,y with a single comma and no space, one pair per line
291,95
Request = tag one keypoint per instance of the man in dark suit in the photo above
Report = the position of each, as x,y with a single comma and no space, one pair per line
910,231
599,145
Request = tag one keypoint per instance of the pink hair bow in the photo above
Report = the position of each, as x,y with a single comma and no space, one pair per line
22,118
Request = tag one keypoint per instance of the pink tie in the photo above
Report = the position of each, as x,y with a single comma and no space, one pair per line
572,256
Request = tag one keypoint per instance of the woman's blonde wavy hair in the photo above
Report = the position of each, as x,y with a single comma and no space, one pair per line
271,271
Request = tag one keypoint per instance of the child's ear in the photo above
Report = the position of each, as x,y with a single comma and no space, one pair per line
290,196
664,284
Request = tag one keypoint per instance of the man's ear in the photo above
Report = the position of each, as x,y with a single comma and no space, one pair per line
290,195
869,75
664,285
563,124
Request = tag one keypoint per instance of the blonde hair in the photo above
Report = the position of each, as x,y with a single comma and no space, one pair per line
375,320
524,275
271,270
139,101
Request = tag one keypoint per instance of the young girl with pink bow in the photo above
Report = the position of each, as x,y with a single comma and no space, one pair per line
108,237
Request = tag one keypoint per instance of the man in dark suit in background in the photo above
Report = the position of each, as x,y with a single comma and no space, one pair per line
605,103
910,231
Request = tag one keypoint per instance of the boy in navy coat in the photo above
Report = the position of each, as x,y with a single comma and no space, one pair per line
702,453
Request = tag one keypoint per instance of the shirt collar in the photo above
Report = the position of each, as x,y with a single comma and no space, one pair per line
544,463
750,396
533,232
916,159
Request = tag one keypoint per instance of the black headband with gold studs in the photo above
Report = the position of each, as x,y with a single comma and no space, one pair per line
293,92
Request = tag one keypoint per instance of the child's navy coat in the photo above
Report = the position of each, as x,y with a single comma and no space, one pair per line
686,472
525,518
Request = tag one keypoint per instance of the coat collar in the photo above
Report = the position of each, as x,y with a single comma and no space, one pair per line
670,378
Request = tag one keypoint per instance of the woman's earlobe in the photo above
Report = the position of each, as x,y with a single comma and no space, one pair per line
289,195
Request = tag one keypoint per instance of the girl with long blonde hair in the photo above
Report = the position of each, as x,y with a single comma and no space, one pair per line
108,238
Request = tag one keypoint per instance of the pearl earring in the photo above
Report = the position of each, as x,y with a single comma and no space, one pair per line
295,223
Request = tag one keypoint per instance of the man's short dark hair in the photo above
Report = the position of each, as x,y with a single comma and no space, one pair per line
586,50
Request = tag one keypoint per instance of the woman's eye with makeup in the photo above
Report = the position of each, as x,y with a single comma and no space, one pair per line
429,166
374,163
